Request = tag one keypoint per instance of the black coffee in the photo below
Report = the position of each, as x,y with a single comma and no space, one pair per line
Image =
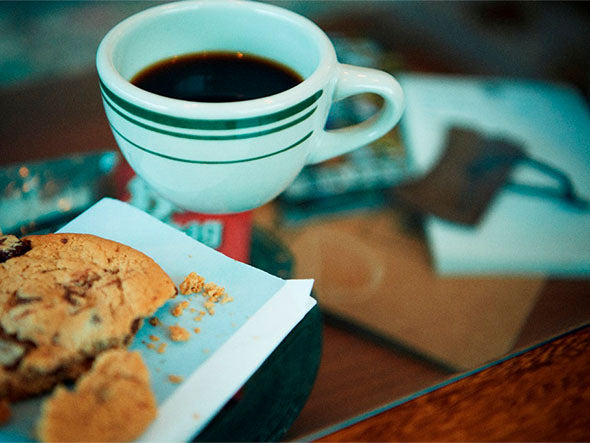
216,77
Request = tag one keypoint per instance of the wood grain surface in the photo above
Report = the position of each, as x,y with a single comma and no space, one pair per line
52,118
540,395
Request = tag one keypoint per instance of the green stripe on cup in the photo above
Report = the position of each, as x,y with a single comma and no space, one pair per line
189,123
203,162
207,137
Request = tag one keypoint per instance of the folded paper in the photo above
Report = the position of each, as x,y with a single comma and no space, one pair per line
214,363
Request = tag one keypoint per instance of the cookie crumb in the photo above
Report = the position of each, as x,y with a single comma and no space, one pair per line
197,330
213,291
179,308
225,299
208,305
150,346
154,337
178,333
192,284
162,348
175,378
198,318
154,321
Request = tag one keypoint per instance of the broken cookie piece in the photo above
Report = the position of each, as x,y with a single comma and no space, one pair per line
112,402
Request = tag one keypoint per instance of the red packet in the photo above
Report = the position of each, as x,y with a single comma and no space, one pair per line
230,234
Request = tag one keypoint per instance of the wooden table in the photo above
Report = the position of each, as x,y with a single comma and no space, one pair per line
541,394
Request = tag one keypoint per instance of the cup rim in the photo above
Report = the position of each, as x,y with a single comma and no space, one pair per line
113,80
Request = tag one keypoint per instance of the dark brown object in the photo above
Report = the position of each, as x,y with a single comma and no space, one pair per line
462,184
11,246
5,412
216,77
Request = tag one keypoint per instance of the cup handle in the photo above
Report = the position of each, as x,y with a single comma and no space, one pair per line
356,80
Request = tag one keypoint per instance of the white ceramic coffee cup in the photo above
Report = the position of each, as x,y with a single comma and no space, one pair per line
231,157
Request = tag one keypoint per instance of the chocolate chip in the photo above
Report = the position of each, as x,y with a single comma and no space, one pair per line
74,298
11,246
85,280
19,298
96,319
117,282
63,240
136,325
76,289
134,328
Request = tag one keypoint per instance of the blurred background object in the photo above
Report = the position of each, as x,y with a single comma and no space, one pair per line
545,40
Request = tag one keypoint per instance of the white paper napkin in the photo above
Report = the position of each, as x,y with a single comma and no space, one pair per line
231,344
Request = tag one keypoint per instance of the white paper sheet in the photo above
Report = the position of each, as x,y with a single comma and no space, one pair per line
519,234
214,363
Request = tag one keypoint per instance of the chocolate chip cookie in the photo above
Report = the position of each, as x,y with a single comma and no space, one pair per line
64,298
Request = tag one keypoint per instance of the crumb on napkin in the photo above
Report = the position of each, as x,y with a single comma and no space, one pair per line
175,378
179,308
178,333
192,284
